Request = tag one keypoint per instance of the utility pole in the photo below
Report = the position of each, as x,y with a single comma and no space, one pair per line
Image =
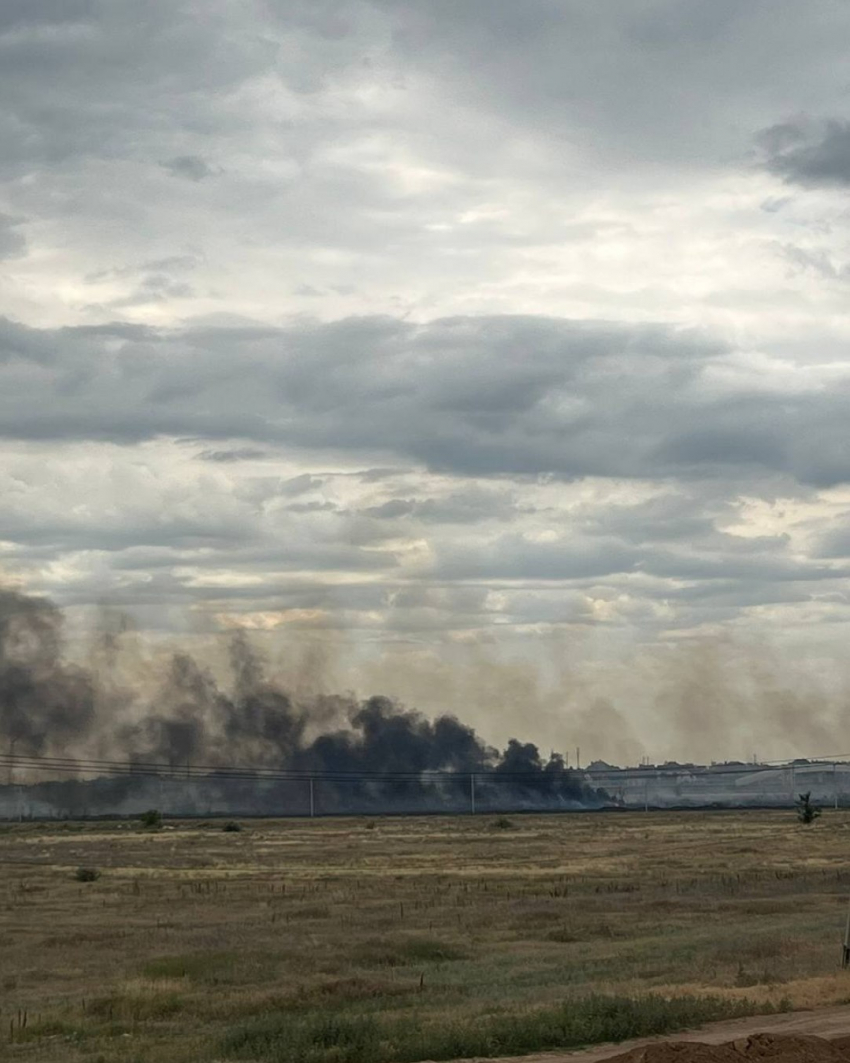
472,795
835,784
312,799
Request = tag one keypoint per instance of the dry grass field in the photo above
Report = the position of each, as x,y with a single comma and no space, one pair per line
404,939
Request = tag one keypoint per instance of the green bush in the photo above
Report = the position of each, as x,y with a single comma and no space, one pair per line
232,825
87,874
807,812
152,819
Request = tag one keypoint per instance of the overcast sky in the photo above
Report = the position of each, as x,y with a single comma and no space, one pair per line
475,335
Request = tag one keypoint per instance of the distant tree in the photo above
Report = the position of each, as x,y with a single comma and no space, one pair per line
806,811
152,819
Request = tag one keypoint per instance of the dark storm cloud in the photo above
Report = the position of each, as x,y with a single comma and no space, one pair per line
809,153
478,396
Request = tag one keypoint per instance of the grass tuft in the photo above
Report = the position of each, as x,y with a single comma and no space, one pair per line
407,951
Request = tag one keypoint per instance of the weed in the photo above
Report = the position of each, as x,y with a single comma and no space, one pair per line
87,874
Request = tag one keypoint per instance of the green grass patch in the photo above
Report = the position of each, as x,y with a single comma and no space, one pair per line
324,1038
136,1007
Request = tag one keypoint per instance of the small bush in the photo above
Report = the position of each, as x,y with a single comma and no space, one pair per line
807,812
232,825
152,819
370,825
87,874
503,823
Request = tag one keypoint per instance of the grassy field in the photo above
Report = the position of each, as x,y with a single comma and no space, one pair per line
408,939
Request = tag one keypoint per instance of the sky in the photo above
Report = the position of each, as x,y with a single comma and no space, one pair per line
498,349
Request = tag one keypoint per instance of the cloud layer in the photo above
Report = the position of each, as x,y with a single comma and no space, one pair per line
432,326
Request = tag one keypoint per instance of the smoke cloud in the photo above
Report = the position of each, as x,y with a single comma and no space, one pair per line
50,707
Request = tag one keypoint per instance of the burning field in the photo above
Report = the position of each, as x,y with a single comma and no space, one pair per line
413,938
372,754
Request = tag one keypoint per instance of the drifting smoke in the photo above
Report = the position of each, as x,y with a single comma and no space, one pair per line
49,707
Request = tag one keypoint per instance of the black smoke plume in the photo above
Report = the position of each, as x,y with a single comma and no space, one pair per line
370,755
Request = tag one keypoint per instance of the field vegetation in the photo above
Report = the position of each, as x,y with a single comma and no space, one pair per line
346,940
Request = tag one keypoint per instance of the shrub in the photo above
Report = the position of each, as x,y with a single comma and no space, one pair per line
87,874
232,825
152,819
503,823
807,812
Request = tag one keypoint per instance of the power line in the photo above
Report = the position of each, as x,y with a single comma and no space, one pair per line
222,772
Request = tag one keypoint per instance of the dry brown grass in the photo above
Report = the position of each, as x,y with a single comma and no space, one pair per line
190,930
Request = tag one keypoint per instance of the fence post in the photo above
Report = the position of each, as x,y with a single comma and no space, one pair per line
472,794
312,799
845,951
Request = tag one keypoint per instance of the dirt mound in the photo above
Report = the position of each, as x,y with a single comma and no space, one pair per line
761,1046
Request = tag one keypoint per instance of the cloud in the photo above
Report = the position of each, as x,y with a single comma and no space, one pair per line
585,398
807,152
430,323
192,167
13,243
233,454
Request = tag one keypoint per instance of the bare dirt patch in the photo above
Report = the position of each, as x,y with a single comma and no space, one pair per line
767,1046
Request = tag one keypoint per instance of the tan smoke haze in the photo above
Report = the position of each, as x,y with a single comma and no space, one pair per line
266,698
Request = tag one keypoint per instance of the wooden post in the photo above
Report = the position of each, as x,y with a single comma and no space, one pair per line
312,799
835,785
472,795
845,951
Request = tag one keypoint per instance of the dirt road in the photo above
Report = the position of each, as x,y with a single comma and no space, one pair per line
823,1022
